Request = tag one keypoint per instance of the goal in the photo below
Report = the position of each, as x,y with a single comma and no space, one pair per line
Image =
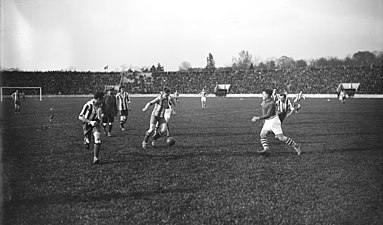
28,91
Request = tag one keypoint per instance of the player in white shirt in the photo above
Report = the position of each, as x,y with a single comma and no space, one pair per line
298,97
342,96
16,97
203,95
177,96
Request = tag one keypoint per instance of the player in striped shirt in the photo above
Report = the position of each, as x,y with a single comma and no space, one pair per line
16,97
284,107
90,116
123,106
272,123
161,103
169,110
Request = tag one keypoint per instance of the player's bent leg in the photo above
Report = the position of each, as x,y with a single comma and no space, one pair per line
290,142
97,147
148,133
122,122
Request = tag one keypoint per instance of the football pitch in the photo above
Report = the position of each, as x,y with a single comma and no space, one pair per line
212,175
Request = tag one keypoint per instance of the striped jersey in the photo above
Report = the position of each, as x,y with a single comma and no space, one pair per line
123,100
284,107
90,111
16,96
160,104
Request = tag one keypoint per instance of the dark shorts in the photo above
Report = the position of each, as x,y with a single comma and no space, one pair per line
124,112
17,102
282,116
108,119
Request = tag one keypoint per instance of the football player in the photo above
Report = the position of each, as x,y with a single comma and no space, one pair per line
272,123
123,106
158,116
90,116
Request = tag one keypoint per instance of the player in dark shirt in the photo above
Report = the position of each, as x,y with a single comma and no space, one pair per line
272,123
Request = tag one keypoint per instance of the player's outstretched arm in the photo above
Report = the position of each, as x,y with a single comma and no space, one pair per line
146,107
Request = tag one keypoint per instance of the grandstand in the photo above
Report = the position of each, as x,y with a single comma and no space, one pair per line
310,80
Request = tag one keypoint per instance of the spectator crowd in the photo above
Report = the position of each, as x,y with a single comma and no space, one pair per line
311,80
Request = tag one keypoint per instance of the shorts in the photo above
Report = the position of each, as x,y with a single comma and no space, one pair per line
124,112
88,129
272,124
108,119
167,114
203,99
282,116
155,119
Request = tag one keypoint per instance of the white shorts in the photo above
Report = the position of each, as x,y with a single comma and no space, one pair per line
274,125
167,114
203,99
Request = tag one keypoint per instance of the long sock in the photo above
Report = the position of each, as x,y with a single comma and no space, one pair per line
96,150
147,135
156,136
110,128
265,143
290,142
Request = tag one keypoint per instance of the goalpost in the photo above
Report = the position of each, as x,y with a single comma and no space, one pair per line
20,88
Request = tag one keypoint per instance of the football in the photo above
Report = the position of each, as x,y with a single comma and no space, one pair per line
170,141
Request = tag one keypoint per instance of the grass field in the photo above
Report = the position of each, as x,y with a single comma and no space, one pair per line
212,175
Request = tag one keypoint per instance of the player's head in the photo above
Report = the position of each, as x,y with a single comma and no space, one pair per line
99,97
282,97
122,89
166,91
266,93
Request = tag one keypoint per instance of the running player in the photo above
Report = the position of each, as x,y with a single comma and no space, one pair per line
203,95
272,123
90,116
169,110
298,97
109,110
16,97
342,96
158,116
123,106
177,96
284,107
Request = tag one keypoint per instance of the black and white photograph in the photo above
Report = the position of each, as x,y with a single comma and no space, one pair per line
191,112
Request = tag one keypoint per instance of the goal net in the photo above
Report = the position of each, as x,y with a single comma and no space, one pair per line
34,92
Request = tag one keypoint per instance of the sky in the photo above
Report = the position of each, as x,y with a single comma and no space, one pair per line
87,35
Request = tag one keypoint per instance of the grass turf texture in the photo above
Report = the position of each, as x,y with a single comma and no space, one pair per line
212,175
